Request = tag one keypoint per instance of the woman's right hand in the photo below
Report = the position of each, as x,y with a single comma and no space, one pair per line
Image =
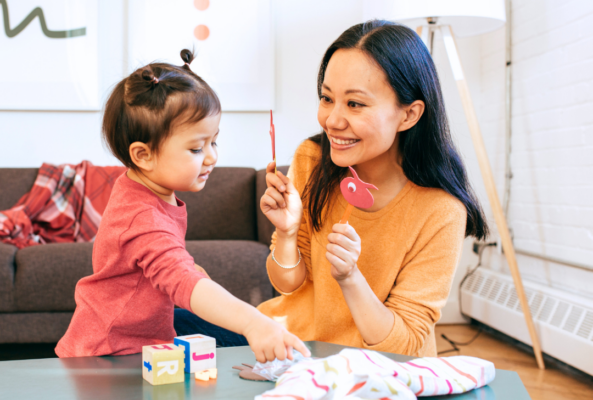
281,203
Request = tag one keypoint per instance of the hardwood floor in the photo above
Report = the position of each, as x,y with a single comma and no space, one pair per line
549,384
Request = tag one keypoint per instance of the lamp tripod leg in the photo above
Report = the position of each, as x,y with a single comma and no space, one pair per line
426,35
488,179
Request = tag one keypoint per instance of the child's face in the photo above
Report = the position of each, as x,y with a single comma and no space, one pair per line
358,109
186,158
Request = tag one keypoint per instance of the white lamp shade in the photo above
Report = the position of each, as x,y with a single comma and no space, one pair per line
466,17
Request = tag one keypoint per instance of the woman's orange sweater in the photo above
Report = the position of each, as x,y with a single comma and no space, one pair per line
410,249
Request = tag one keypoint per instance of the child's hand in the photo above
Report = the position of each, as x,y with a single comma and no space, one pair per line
281,203
343,251
270,340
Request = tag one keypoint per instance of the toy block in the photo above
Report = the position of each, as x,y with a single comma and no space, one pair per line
199,352
162,364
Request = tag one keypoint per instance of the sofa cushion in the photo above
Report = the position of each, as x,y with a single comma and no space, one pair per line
14,183
42,327
225,208
7,254
264,227
46,275
239,266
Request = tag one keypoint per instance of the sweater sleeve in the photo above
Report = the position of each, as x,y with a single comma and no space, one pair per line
162,257
423,284
300,168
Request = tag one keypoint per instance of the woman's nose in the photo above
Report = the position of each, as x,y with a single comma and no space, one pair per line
336,119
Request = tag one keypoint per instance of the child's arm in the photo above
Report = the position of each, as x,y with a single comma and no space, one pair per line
170,269
268,339
202,270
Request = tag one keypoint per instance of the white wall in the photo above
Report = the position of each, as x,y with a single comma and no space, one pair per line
551,202
303,30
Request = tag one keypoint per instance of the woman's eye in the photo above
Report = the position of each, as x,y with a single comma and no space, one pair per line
325,99
214,144
196,151
355,104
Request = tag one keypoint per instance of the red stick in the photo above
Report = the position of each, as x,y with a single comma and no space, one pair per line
346,214
273,136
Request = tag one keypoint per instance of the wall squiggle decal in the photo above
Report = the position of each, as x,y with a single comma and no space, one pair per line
37,12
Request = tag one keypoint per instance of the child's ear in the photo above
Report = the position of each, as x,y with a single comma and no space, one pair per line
142,156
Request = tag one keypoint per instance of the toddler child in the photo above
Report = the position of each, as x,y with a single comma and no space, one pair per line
162,123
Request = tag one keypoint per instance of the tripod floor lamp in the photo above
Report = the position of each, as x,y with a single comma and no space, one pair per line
467,18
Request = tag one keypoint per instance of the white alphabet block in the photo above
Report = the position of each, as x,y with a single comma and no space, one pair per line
199,352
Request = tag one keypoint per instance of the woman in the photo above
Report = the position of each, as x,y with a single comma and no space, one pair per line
379,281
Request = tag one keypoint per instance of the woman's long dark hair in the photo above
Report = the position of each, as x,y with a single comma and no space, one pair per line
429,157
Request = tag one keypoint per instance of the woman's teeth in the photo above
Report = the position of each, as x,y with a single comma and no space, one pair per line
340,141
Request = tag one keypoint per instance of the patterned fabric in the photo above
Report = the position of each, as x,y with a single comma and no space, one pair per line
65,204
364,374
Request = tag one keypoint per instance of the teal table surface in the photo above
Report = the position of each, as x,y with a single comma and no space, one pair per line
121,378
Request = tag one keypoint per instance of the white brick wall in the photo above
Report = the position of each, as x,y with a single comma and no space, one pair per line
551,203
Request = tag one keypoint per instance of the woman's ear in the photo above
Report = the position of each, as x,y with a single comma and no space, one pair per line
142,156
413,112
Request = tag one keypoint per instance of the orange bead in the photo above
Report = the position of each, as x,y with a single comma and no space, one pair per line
201,4
201,32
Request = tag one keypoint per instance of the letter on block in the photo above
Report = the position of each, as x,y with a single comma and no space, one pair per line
199,351
162,364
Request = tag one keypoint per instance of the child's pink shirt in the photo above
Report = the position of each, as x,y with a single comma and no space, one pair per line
141,268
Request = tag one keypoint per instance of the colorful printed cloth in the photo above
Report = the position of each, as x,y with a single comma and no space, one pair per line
364,374
64,205
273,370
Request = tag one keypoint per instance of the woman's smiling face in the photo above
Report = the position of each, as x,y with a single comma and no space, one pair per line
358,109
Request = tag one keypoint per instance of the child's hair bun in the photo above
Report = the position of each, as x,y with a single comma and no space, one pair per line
187,56
148,75
139,86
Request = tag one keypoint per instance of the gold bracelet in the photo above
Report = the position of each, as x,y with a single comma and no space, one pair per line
282,266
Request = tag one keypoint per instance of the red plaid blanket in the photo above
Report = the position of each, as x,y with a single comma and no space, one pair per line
65,205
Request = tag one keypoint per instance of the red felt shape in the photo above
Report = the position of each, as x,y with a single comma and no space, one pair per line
356,192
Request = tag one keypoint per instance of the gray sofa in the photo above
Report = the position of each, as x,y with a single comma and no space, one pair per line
227,235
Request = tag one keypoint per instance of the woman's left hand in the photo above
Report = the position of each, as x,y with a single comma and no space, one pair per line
343,251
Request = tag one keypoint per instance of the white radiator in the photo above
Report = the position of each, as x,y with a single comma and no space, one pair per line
564,322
